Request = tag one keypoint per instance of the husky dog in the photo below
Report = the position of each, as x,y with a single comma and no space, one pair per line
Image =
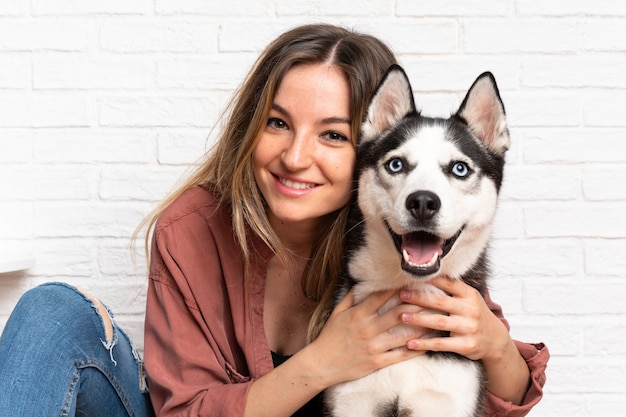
427,194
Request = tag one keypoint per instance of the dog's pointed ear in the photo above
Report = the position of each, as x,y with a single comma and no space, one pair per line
484,113
391,102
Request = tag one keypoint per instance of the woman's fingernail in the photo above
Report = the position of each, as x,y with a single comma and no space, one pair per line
405,294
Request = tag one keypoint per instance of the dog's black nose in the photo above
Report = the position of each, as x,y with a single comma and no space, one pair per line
423,205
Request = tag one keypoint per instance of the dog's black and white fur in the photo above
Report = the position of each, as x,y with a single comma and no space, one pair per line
427,194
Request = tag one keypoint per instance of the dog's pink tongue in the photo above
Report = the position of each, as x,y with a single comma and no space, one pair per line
420,251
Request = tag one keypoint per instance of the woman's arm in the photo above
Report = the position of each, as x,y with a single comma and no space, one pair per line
353,343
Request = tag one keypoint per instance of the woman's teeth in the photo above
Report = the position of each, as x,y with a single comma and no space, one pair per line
296,185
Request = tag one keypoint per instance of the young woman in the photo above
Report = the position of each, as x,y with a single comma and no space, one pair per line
245,255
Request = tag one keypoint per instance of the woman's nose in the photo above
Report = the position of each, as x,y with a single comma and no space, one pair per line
299,152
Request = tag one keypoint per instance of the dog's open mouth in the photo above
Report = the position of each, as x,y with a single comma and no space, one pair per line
422,251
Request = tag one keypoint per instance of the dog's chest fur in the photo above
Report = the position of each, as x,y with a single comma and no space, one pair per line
426,196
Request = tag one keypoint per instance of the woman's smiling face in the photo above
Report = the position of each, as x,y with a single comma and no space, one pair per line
304,158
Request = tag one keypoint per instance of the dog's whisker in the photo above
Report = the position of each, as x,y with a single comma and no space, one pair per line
353,228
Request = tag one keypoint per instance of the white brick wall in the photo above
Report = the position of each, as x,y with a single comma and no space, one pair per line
103,105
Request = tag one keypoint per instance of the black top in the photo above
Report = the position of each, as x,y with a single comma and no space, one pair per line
315,407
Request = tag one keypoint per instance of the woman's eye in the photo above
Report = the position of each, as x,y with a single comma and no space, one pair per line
276,123
336,137
460,169
395,165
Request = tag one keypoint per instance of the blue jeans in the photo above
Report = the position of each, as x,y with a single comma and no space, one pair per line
56,360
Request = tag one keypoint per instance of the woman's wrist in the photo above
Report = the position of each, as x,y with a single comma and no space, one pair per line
320,374
508,376
286,388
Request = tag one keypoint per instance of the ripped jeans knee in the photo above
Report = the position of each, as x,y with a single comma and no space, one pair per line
110,336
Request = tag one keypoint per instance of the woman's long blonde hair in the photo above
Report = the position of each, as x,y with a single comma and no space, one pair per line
228,167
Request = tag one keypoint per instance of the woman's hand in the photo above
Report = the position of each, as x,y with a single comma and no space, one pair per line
475,332
356,341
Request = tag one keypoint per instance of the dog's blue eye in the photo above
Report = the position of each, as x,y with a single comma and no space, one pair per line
460,169
395,165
